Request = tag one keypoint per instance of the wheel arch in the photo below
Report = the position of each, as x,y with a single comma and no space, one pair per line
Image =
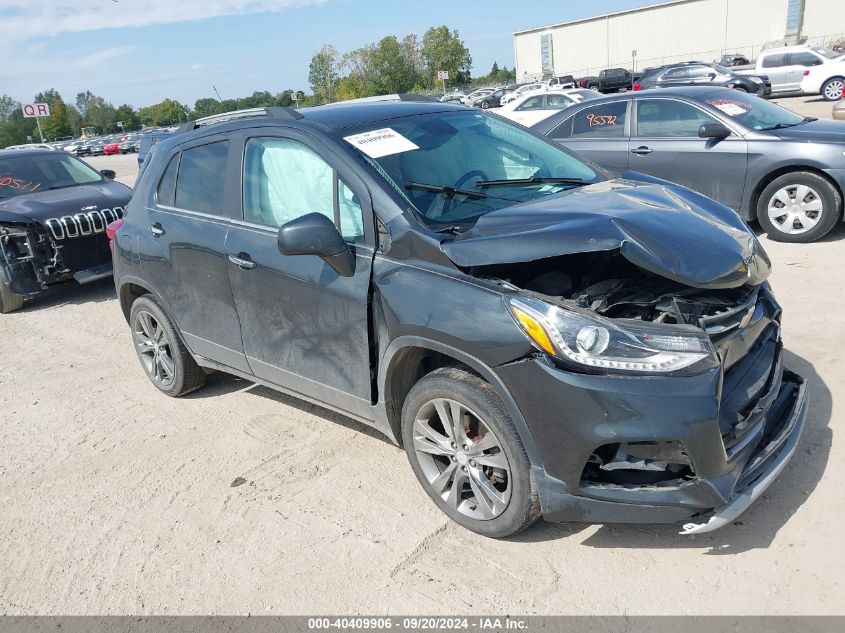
131,288
409,358
782,171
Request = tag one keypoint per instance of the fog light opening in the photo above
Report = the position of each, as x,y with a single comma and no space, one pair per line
638,464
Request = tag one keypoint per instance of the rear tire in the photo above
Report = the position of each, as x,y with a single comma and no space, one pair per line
9,301
832,89
164,358
486,442
799,207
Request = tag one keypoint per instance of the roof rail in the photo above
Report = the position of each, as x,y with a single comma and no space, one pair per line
404,96
271,113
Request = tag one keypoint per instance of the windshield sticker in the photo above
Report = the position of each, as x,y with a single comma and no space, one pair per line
731,108
378,143
599,120
18,183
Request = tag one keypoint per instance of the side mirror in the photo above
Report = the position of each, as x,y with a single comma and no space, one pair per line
712,76
714,130
111,174
315,234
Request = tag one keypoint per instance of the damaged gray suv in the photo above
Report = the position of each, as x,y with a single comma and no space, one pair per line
544,339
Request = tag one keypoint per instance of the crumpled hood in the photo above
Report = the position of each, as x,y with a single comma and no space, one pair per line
42,205
670,231
814,132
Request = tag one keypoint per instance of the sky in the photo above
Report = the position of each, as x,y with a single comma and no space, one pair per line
141,51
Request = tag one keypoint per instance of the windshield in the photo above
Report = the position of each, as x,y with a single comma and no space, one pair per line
752,112
38,172
826,52
450,166
722,70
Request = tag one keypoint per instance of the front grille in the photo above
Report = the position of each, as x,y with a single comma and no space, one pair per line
83,223
749,387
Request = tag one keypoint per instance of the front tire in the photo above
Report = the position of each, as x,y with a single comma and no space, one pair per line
799,207
164,358
466,453
485,105
9,301
832,89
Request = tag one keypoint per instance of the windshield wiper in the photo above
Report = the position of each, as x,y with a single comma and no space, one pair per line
780,126
534,180
449,192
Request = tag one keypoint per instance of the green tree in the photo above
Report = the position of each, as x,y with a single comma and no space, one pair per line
323,73
126,113
207,107
443,49
101,115
56,125
82,99
167,112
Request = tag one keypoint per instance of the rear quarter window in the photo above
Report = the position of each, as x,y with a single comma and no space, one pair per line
774,61
602,121
199,185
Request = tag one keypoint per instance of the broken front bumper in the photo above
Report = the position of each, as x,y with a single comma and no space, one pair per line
570,415
769,462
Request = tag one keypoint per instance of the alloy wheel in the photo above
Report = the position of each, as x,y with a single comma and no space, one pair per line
833,89
462,459
795,209
154,349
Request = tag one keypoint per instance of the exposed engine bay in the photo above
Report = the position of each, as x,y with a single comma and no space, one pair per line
608,284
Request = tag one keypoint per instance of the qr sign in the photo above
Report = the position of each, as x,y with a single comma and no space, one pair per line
31,110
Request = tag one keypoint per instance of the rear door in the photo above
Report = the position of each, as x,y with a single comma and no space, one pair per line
598,132
184,255
665,144
797,63
776,67
304,327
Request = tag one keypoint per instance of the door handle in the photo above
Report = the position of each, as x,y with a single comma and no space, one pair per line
157,229
242,261
641,151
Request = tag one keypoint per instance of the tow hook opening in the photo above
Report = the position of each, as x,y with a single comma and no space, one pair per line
635,464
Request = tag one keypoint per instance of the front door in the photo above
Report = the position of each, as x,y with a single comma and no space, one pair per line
665,144
304,327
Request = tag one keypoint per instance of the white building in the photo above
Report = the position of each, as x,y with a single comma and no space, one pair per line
681,30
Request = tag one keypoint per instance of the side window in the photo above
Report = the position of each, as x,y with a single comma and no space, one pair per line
564,130
697,72
774,61
532,103
557,102
199,185
601,121
166,192
667,118
677,73
803,59
284,179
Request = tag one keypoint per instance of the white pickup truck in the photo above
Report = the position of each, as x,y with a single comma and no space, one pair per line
785,66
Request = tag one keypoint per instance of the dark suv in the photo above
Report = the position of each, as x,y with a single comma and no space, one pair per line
702,74
54,210
543,338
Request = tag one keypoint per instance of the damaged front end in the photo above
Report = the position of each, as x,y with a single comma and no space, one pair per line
658,391
29,257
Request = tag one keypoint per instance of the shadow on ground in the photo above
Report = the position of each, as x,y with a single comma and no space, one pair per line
758,526
70,293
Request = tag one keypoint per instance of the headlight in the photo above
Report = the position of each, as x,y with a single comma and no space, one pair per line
756,80
592,341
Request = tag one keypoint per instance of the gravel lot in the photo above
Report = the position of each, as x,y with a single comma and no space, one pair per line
115,499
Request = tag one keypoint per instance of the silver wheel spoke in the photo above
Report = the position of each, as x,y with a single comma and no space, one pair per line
813,205
454,498
801,192
445,419
782,196
146,325
426,446
496,460
166,365
806,221
484,444
158,335
421,427
491,499
441,482
458,423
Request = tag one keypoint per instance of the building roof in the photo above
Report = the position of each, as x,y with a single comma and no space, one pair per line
603,16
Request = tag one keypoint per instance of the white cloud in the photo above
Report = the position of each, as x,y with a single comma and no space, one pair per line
63,62
29,19
195,66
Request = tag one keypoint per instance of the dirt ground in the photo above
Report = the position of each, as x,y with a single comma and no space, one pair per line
115,499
